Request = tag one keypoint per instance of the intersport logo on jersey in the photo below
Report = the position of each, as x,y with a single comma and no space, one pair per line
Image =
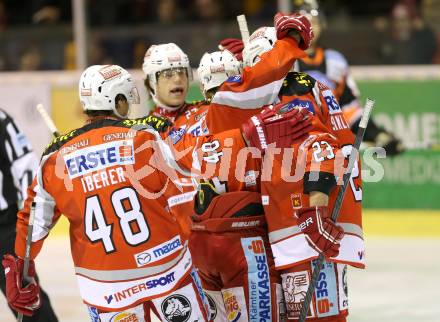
139,288
159,252
97,157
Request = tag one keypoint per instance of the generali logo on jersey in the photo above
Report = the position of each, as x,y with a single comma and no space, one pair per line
97,157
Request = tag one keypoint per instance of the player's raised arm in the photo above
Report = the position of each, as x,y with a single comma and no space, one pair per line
259,85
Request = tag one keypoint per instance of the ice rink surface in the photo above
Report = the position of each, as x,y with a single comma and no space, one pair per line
401,282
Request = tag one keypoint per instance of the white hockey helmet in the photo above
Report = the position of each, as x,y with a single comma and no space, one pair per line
216,67
100,84
163,57
263,39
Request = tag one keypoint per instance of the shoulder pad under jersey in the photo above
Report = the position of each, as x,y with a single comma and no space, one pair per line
159,123
62,139
297,83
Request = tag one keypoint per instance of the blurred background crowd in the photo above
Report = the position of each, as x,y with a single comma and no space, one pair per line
38,35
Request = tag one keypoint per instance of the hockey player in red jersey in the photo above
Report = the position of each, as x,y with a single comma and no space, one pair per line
167,74
290,247
167,71
331,68
126,263
126,247
228,219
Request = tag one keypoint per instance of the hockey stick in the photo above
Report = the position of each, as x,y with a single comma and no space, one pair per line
243,26
46,118
27,253
338,203
50,124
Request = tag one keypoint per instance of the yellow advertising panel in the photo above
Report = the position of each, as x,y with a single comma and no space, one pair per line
67,112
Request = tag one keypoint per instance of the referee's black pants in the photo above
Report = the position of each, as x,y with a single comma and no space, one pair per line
8,219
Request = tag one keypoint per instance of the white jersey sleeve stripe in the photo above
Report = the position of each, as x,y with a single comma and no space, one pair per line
44,209
277,235
253,98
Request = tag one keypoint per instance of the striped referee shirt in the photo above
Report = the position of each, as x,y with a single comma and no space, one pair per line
18,163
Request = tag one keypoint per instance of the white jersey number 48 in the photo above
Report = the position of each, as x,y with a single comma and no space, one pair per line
127,207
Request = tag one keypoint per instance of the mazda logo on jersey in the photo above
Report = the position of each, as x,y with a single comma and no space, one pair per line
176,308
158,252
97,157
143,259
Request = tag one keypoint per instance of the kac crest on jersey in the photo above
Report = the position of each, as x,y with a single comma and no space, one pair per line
176,308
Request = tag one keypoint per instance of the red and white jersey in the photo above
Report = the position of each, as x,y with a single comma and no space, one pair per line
111,182
190,121
237,99
241,96
285,193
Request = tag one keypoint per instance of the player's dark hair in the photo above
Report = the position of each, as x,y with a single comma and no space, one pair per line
148,86
95,113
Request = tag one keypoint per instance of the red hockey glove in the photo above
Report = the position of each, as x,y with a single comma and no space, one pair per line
322,234
22,299
285,23
277,125
234,45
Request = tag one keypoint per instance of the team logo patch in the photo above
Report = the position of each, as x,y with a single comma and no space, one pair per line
212,307
124,317
296,200
295,289
250,178
176,308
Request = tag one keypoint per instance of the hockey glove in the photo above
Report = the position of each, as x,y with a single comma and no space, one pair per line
284,23
25,299
277,125
322,234
234,45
